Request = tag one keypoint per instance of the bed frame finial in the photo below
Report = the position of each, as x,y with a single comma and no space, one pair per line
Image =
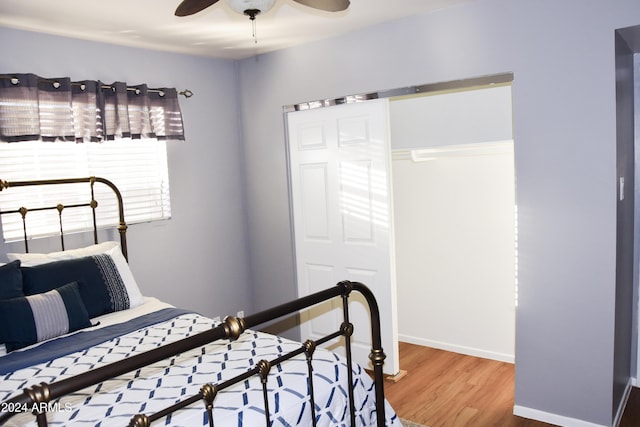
209,392
39,393
309,348
233,327
140,420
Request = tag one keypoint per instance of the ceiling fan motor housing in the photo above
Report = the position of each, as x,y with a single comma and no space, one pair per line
251,8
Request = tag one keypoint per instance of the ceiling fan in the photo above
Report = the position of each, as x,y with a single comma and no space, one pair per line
251,8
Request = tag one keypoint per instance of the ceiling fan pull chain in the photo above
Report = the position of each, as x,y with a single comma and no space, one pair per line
255,35
252,13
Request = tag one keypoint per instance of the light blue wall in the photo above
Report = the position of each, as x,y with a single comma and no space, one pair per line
199,258
562,57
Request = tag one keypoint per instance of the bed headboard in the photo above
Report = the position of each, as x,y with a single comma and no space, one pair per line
61,207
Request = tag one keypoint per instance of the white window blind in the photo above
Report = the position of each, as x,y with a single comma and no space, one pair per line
137,167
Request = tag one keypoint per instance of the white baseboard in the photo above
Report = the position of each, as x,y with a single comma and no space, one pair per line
560,420
550,418
502,357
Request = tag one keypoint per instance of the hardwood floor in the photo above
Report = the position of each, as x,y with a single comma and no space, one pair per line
444,389
631,415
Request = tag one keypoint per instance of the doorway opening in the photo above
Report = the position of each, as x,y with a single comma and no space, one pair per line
450,147
455,226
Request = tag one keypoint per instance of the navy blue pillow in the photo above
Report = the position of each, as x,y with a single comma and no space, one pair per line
31,319
11,280
101,287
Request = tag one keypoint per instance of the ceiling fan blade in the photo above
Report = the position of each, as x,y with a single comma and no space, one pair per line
326,5
189,7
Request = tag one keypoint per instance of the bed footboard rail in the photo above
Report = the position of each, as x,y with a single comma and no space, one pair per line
39,397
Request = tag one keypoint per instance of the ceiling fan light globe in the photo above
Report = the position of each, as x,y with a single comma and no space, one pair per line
241,5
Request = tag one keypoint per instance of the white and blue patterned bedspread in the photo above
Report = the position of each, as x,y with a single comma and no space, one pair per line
114,402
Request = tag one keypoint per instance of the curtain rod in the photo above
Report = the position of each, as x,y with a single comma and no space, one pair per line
186,93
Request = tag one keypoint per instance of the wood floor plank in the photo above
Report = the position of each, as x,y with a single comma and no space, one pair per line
631,415
444,389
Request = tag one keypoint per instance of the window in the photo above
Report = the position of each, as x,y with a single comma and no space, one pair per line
44,120
137,167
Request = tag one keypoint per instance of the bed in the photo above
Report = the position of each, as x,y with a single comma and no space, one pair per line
80,345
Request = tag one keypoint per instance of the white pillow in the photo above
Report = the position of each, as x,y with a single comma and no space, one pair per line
33,259
110,248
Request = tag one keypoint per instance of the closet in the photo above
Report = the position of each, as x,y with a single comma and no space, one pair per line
455,224
412,194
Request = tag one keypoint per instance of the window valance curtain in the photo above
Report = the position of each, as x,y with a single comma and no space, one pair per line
57,109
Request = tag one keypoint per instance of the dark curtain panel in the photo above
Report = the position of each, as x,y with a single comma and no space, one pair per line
139,121
164,112
87,101
57,109
116,111
19,112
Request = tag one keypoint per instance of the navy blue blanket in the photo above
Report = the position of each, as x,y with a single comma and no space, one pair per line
82,340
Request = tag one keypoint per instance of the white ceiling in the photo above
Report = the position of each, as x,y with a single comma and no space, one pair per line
214,32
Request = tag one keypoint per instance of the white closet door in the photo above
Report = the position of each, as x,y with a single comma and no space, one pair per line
340,185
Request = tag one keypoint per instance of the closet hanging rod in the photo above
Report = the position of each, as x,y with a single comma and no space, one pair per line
187,93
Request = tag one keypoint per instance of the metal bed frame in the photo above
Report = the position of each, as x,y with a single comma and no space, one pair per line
40,396
92,203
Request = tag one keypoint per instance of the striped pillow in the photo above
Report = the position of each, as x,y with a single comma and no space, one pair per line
34,318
